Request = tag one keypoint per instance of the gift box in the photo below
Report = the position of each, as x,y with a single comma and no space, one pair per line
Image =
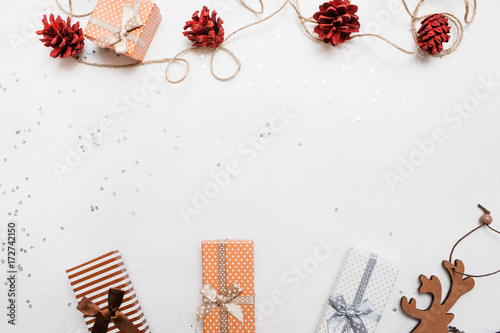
228,287
101,284
126,26
359,295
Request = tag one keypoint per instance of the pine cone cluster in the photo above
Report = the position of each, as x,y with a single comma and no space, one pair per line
433,32
206,29
336,21
65,39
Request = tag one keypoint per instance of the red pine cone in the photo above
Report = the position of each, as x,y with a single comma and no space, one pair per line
206,30
65,39
336,21
433,32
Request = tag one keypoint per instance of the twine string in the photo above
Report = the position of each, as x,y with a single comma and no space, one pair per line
257,12
387,41
70,11
467,9
303,20
238,62
465,236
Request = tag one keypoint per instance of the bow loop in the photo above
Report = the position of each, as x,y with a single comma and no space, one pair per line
110,313
225,301
87,307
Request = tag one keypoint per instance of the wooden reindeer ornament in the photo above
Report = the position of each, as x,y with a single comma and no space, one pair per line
436,318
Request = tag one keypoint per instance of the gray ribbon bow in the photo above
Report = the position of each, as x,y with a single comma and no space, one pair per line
352,314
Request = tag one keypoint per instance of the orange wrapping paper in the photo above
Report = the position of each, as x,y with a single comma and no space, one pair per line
239,270
111,11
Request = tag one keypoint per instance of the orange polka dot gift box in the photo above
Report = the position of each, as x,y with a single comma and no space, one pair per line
228,287
125,26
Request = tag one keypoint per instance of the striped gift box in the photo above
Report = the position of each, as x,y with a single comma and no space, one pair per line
93,280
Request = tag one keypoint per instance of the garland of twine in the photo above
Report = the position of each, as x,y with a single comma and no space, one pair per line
468,18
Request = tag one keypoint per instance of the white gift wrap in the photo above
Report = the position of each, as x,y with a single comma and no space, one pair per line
359,294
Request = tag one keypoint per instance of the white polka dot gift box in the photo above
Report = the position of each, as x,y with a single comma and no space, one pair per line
106,296
359,295
126,26
228,287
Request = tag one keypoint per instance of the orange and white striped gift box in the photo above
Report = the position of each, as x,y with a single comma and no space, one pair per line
93,280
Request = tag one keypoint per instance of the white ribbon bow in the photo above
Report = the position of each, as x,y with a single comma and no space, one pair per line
120,36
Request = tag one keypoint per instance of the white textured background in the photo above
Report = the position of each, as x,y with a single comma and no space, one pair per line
357,114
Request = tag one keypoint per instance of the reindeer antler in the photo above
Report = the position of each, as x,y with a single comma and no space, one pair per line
435,319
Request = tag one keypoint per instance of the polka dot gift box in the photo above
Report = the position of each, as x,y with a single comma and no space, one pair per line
228,287
125,26
358,298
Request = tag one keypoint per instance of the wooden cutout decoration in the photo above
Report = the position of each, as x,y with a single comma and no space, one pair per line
435,319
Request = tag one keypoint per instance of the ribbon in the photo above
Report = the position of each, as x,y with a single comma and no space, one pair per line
353,315
226,299
119,36
110,313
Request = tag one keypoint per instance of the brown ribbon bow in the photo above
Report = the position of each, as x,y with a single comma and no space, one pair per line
110,313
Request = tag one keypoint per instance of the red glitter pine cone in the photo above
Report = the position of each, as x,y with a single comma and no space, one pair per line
65,39
336,21
433,32
206,30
